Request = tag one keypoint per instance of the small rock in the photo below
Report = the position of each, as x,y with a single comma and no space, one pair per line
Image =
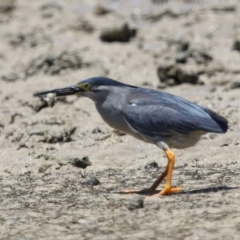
80,162
163,13
82,25
46,157
118,34
235,85
224,145
224,9
92,181
173,75
200,56
22,145
7,5
96,130
183,46
182,57
236,45
151,165
185,51
101,10
135,203
44,168
11,77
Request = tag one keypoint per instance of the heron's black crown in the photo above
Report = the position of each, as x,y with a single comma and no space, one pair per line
104,81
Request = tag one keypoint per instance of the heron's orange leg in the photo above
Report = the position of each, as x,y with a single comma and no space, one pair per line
152,190
168,186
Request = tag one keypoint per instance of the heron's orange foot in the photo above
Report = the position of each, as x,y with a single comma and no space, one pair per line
168,191
147,191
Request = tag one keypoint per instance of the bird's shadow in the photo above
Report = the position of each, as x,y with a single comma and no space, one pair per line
208,190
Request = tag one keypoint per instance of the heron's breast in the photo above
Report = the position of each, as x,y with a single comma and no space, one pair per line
113,117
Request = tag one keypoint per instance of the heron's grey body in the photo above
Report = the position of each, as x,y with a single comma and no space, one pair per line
122,103
155,116
163,119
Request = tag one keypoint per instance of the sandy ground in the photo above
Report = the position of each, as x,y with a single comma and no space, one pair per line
42,194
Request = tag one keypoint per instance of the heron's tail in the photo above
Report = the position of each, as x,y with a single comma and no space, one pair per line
222,123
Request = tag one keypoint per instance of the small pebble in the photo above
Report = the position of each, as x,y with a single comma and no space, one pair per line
96,130
224,145
151,165
92,181
80,162
135,203
22,145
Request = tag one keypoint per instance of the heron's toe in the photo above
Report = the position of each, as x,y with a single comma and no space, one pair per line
168,191
146,191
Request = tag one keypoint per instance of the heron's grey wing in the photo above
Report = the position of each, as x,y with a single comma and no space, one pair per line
157,120
159,113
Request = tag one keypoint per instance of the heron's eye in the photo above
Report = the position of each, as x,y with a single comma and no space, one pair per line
87,86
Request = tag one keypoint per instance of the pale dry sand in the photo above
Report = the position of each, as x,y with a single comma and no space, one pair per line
41,194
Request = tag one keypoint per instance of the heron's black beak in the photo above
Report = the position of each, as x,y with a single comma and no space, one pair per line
60,92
